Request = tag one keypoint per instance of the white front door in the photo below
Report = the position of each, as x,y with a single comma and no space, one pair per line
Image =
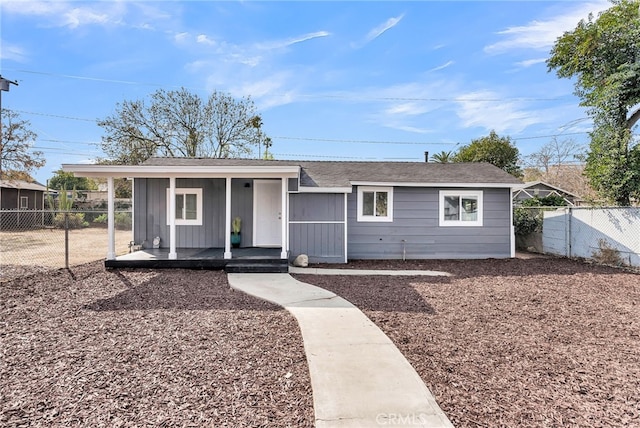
267,213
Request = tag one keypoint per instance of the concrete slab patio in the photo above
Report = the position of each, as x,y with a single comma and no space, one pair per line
359,377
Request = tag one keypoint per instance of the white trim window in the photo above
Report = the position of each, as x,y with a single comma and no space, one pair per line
24,202
375,203
461,208
188,207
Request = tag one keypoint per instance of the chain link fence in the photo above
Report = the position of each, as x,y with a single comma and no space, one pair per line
608,235
37,240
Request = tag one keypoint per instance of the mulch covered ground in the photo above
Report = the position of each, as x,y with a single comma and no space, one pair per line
101,348
513,343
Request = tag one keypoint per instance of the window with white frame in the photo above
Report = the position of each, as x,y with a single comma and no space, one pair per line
24,202
460,208
188,207
375,203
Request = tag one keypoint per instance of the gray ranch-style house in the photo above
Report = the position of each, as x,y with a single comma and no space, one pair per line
331,211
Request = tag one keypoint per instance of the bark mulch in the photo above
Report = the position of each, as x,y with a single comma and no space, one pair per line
90,347
506,343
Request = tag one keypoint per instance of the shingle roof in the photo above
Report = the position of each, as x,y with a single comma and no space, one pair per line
342,174
19,184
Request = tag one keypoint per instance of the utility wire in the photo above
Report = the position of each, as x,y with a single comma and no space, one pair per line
320,96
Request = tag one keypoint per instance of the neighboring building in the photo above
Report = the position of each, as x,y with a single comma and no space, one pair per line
19,196
541,189
331,211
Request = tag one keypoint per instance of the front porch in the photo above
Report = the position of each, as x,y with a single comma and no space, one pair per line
244,260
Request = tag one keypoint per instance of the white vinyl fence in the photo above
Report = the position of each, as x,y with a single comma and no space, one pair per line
609,235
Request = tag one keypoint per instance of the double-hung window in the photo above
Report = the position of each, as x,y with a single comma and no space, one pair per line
188,205
375,203
460,208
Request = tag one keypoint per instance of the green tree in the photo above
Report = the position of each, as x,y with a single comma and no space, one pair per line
496,150
603,54
66,180
180,123
442,157
16,145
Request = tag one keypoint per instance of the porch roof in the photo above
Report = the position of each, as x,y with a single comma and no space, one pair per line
315,174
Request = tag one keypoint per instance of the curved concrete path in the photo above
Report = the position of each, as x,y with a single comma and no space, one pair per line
359,377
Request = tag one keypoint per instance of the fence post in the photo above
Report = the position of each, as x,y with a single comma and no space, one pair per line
66,240
569,242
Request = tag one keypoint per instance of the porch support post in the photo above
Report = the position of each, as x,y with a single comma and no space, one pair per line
111,219
173,255
227,217
284,217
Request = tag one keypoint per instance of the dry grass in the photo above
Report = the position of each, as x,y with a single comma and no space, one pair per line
37,250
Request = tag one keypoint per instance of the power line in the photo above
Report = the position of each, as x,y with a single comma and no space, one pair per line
55,115
330,140
348,97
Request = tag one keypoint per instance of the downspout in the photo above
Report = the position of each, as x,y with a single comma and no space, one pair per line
513,228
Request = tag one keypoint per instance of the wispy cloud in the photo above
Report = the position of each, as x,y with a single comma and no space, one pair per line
530,62
442,67
379,30
541,34
75,14
482,110
204,39
12,52
293,40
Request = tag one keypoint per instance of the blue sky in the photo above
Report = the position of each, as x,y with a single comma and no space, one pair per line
333,80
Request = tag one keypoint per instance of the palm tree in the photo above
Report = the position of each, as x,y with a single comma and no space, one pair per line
442,157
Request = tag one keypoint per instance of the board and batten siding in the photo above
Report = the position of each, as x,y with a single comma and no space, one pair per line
415,232
316,226
150,216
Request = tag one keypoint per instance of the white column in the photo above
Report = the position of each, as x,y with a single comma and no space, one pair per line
172,219
227,218
346,234
284,253
111,219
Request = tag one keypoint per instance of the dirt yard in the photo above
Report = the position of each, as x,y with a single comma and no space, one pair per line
30,251
96,348
513,343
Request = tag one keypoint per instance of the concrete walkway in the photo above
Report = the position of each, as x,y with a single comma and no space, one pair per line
323,271
359,377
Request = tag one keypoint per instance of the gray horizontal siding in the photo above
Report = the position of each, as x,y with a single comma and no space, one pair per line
316,207
150,219
415,232
322,242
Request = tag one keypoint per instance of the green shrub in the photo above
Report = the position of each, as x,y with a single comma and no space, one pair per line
122,220
527,221
102,218
73,221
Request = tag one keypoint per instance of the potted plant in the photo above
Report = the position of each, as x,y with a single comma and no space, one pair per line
236,224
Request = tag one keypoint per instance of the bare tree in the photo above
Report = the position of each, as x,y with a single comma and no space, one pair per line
16,146
554,153
180,123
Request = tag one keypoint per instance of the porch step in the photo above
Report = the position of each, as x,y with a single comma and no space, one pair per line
276,266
